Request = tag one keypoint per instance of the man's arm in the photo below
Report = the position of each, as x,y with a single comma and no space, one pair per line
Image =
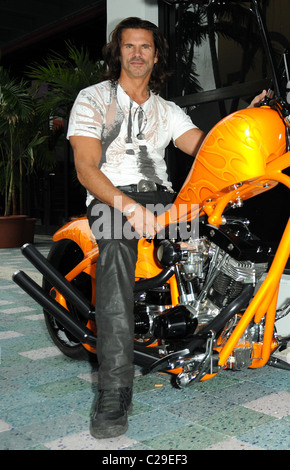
190,141
87,156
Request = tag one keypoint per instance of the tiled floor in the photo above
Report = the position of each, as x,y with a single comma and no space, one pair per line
46,397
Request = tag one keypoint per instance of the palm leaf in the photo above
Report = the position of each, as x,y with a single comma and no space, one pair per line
16,103
65,76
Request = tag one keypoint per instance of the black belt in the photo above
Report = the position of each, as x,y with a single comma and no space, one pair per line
144,187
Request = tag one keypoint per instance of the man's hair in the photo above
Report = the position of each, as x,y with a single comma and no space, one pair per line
111,53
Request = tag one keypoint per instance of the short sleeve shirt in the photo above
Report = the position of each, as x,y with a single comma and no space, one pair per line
134,137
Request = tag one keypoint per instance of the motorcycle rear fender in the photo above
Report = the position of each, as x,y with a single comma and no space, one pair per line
79,231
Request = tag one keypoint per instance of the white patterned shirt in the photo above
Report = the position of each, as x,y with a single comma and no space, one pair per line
133,137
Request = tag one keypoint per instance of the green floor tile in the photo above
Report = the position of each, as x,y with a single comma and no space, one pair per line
191,437
233,421
62,387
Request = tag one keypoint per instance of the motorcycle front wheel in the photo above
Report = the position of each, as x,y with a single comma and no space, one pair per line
64,256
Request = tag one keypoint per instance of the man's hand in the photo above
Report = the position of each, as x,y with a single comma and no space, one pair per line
143,221
258,99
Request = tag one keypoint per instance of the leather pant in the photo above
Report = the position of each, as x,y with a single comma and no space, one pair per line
115,279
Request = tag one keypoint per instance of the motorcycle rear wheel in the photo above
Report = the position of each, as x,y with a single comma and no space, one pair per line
64,256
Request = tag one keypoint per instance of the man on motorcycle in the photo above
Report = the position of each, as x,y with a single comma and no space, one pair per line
119,130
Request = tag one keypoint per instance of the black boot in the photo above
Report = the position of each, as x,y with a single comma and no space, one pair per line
110,414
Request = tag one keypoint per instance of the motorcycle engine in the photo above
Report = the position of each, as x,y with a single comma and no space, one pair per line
211,271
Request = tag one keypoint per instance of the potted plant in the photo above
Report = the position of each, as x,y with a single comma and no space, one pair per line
64,75
57,81
20,135
25,111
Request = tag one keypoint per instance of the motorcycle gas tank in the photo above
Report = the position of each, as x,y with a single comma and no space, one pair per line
237,149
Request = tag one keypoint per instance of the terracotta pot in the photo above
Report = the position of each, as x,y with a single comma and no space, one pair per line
11,231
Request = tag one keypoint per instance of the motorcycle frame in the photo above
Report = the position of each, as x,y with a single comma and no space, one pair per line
259,177
264,303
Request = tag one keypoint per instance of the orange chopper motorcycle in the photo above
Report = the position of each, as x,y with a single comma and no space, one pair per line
206,301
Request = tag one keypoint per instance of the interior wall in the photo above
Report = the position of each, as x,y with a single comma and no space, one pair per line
116,11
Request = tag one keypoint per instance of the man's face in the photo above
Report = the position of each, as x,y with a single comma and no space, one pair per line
138,53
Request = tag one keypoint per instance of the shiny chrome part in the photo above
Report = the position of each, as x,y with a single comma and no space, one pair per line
205,311
199,365
214,270
241,358
244,271
283,311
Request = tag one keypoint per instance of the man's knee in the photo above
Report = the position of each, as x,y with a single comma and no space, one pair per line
117,250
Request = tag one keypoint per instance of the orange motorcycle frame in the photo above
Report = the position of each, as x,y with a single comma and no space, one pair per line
242,156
